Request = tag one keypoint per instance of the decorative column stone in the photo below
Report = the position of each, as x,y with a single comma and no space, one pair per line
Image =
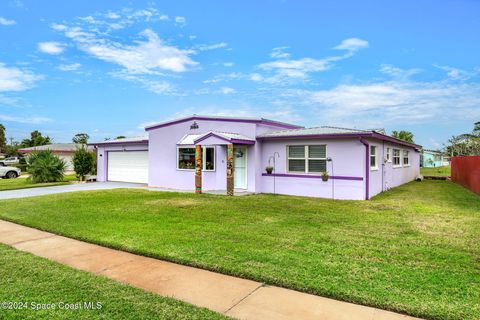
198,169
230,170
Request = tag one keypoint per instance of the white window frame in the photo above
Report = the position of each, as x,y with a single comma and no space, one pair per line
399,165
204,155
375,156
407,153
306,158
389,155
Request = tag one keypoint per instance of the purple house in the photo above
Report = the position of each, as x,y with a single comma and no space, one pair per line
210,153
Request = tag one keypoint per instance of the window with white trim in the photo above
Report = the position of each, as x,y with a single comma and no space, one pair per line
406,159
186,158
307,159
389,155
396,158
373,158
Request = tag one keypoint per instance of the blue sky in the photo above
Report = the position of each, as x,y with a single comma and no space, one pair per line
110,67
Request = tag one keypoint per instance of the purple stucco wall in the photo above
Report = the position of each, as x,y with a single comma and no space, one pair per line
348,162
387,176
349,179
163,154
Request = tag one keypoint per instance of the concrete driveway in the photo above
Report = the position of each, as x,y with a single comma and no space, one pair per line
33,192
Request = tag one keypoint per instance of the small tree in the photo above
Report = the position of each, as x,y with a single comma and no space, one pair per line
36,139
45,167
81,138
82,162
3,139
403,135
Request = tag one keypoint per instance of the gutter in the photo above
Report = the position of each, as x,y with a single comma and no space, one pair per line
367,167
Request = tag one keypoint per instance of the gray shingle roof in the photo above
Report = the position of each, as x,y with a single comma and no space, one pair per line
65,147
312,131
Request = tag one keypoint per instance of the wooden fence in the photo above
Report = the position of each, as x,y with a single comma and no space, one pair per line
466,171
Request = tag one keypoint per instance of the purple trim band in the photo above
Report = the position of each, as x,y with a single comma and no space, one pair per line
262,121
118,143
374,135
289,175
231,140
367,167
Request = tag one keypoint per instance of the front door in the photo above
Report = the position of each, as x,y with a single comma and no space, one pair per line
240,167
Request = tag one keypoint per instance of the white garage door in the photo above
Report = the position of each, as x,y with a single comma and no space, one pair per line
128,166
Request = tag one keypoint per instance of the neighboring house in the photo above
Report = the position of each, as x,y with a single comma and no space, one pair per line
434,158
64,150
235,152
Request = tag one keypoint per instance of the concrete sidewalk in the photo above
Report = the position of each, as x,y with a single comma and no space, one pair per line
234,297
41,191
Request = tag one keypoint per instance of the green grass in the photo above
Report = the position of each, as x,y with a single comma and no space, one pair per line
414,249
438,171
36,281
24,183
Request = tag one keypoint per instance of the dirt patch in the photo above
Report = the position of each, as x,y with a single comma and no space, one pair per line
179,203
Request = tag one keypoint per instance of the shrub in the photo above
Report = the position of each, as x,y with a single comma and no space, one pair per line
83,162
45,167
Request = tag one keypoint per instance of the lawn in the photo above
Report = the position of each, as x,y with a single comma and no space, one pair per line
23,183
437,172
36,281
413,249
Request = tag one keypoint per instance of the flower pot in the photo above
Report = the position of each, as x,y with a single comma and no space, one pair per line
325,179
269,170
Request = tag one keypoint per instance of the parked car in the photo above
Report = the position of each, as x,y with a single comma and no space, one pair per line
9,172
9,161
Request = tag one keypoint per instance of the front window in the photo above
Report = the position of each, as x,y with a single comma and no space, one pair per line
389,156
186,158
373,158
307,159
396,157
406,159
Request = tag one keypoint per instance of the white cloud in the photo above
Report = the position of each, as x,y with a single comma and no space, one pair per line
285,70
352,44
397,73
163,17
279,53
394,102
205,47
143,57
458,74
256,77
6,22
227,90
51,47
16,79
180,20
156,86
27,120
113,15
228,64
58,27
69,67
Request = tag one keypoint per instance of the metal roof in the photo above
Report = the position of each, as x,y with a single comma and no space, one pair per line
190,139
141,139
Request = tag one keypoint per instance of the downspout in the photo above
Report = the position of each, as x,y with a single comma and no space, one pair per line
367,167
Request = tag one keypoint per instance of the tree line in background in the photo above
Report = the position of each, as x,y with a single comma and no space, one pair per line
466,144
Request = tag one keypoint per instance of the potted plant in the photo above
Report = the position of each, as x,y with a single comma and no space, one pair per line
269,170
325,176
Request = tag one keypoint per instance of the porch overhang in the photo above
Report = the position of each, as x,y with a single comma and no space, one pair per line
212,138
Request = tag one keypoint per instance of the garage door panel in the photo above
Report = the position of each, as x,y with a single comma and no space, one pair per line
128,166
